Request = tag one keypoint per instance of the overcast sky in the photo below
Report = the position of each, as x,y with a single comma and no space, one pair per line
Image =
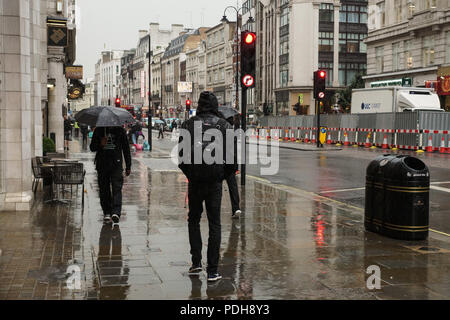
114,24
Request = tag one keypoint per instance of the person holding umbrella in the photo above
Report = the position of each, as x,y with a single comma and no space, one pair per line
110,142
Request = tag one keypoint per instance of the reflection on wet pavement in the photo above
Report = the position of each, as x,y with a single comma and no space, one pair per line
287,245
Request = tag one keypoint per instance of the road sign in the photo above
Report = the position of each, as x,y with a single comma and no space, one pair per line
248,80
321,95
323,135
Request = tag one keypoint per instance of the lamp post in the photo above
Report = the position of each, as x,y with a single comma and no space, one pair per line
244,92
150,108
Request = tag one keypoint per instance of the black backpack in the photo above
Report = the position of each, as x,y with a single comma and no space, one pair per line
206,173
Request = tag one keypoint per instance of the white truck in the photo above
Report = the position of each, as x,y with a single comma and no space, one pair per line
394,99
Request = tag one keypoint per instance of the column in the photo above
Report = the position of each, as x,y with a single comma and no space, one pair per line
15,106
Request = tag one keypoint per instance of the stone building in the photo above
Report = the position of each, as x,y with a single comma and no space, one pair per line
109,77
175,54
219,62
37,40
196,71
409,39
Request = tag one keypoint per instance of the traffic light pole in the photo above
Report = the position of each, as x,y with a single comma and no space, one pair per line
318,123
150,109
244,138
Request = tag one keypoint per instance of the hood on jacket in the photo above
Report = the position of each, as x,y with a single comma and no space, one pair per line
207,103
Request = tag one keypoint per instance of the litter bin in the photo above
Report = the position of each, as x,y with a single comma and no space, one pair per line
375,193
407,194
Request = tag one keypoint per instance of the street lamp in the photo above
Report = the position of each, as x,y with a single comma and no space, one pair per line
243,116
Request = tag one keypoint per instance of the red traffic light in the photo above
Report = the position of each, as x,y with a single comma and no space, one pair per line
117,101
322,74
188,102
250,38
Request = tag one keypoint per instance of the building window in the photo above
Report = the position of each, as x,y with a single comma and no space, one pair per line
352,43
428,51
284,17
379,59
326,12
399,11
348,72
353,14
326,41
408,54
382,13
396,56
284,45
284,75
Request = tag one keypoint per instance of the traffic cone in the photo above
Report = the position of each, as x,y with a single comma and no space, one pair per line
443,149
329,138
367,145
430,145
448,149
346,142
286,136
385,143
306,138
276,135
313,141
292,136
257,134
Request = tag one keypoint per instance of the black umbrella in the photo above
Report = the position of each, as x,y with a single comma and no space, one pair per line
228,112
104,117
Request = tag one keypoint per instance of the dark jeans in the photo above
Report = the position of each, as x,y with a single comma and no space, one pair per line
211,194
110,182
161,134
234,192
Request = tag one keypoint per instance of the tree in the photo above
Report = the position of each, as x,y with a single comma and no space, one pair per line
345,95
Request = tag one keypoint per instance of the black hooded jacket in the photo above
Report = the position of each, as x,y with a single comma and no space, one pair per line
210,117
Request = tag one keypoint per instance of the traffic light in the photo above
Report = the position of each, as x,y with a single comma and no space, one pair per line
319,84
118,102
248,59
188,104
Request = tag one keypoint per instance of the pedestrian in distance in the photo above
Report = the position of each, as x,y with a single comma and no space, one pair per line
205,184
67,132
110,143
84,134
77,129
161,130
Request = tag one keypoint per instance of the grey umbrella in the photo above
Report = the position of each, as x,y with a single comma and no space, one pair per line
104,117
228,112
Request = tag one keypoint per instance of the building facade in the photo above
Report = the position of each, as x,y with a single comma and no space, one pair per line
219,67
409,40
110,76
196,71
37,40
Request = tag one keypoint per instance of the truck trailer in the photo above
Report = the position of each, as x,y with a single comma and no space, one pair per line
394,99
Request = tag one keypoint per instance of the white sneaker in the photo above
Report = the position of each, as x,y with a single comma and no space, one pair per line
236,214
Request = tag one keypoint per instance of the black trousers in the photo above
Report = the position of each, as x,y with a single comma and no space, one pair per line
161,134
211,194
110,183
234,192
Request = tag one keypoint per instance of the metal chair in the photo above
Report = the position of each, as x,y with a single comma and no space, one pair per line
38,172
68,174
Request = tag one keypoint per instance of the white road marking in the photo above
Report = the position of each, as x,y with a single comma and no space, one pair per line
440,189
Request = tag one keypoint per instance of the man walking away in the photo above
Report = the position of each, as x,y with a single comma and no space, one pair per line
77,129
84,133
110,144
205,185
232,184
67,132
161,130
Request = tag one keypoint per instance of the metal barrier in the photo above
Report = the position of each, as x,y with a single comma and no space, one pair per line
407,130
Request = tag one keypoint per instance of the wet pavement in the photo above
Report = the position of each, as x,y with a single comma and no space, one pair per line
290,244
